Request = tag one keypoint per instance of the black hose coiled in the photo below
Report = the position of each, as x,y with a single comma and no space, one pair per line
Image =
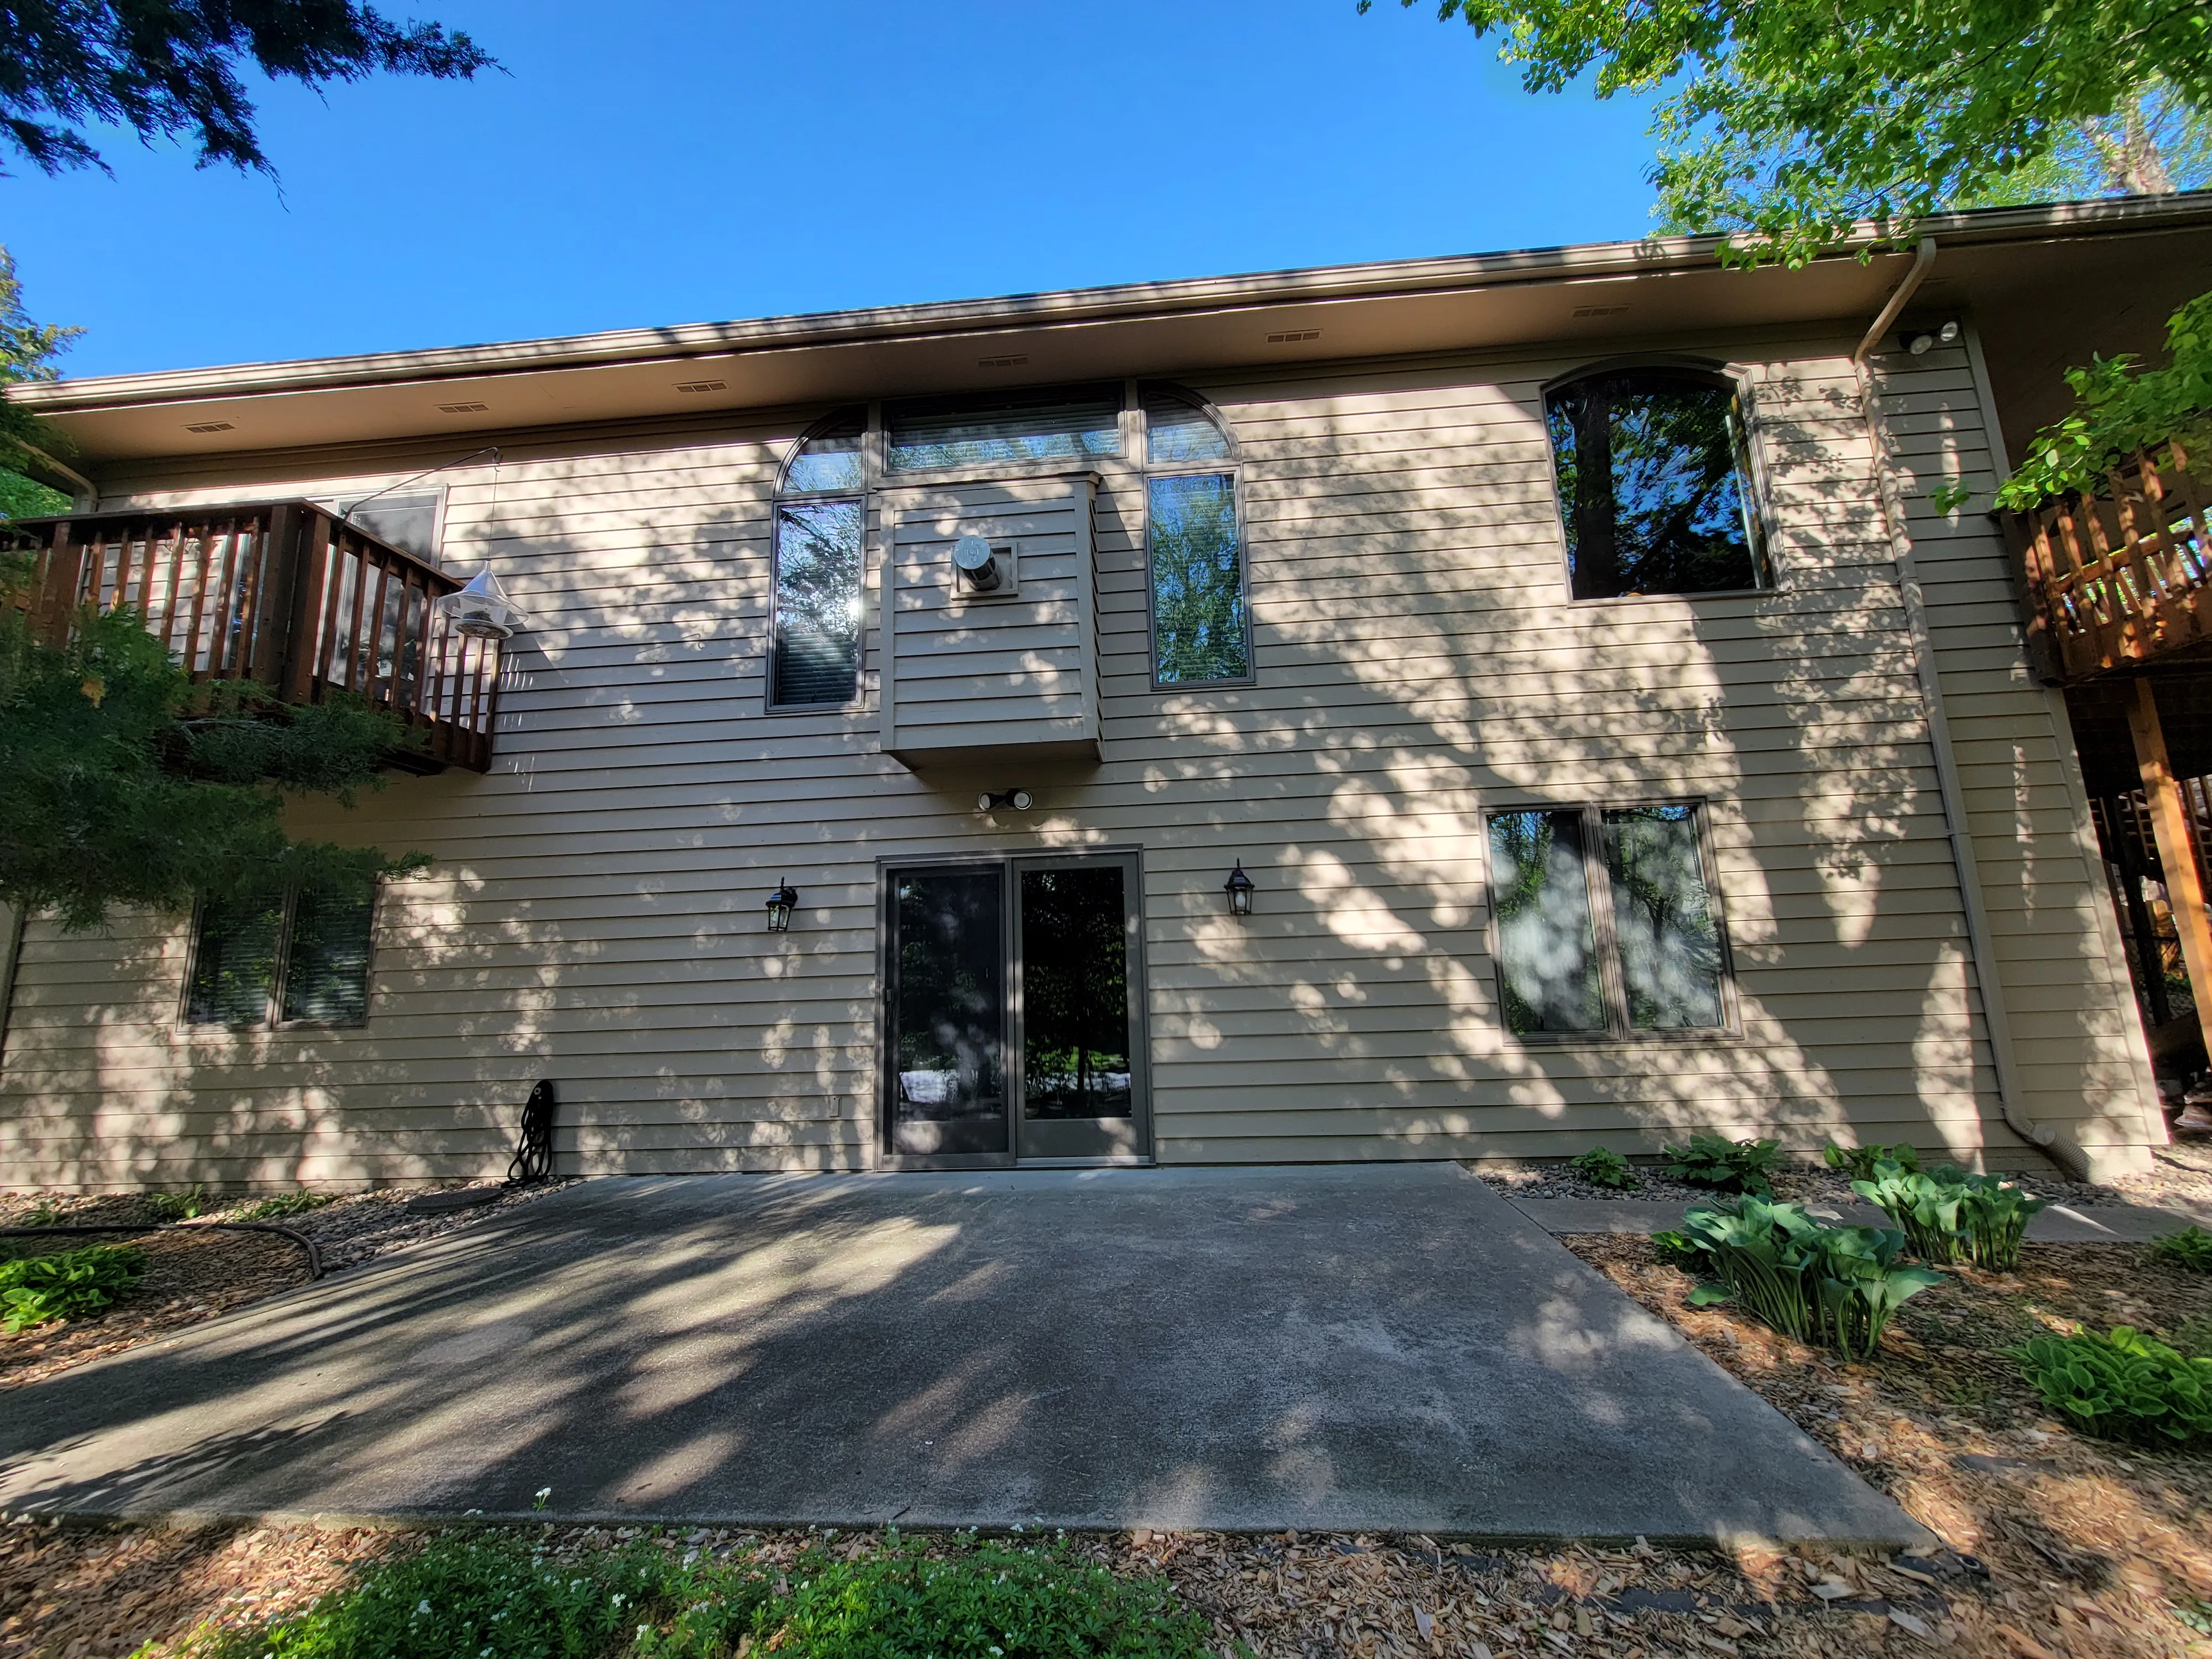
533,1148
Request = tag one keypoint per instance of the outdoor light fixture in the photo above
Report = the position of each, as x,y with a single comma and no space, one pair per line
482,609
1020,799
1921,344
780,903
1239,888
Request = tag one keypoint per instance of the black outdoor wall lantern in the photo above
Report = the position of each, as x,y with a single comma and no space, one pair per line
780,903
1239,888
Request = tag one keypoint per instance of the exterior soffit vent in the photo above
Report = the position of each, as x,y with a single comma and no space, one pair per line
463,409
1291,336
209,426
1599,311
702,385
1015,362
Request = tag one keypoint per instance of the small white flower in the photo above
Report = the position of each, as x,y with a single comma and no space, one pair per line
423,1605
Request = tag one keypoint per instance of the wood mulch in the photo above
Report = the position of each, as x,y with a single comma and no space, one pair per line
2095,1551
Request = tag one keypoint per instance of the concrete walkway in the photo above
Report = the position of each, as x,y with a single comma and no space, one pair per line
2061,1223
1390,1348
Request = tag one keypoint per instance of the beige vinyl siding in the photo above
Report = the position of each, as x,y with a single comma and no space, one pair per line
593,913
988,672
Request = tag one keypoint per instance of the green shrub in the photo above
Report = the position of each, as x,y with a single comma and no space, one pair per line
1602,1167
284,1204
1950,1214
1834,1285
1861,1160
2191,1248
496,1597
2126,1386
1733,1166
176,1206
38,1288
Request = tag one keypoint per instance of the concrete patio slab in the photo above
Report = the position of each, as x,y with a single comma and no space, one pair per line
2061,1223
1339,1347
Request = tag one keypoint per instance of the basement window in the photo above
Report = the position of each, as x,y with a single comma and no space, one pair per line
293,958
1656,484
1603,923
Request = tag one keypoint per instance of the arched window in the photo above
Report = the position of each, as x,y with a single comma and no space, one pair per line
1655,484
821,527
1201,617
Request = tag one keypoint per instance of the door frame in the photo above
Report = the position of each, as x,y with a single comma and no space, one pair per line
1008,862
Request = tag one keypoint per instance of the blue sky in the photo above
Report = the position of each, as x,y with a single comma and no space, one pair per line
666,162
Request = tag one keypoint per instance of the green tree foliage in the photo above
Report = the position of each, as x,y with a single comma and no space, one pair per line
1789,121
2121,408
123,783
2153,142
169,68
27,353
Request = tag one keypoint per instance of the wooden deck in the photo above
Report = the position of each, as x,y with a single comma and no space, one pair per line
285,593
2121,580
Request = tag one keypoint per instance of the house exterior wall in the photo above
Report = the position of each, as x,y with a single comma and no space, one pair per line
593,912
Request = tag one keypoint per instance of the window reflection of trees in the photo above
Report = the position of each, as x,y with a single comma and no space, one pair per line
817,601
1658,964
1075,995
1654,471
951,995
1198,621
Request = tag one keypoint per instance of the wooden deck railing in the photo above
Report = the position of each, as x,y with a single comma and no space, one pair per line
2119,580
288,594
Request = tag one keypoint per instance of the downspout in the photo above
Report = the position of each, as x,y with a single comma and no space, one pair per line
2059,1149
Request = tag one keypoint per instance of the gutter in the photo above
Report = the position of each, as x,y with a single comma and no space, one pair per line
2060,1149
1128,303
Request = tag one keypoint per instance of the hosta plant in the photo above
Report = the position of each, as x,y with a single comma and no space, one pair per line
1733,1166
1834,1285
2125,1386
2191,1248
1993,1214
39,1288
1603,1168
1860,1161
1924,1206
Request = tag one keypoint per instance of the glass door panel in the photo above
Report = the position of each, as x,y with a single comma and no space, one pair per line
1081,1088
948,1004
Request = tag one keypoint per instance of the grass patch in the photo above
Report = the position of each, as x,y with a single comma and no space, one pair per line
34,1290
284,1204
500,1595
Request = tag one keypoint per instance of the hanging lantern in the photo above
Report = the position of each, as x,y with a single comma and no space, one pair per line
1239,888
780,903
482,609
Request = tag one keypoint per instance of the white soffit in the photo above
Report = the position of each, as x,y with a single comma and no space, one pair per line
1574,296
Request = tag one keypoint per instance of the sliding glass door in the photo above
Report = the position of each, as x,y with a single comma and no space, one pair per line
1013,1013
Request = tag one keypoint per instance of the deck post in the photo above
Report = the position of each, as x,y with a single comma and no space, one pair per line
2176,852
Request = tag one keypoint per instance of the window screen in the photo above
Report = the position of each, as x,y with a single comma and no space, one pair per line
1200,630
1654,486
234,961
1067,424
817,602
326,958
